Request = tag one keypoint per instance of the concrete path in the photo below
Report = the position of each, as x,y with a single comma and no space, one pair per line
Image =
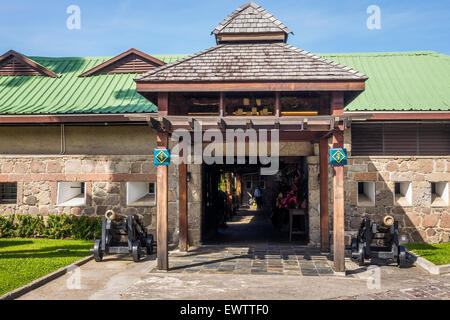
121,278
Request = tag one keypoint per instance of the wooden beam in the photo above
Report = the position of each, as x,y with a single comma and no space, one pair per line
436,115
267,36
85,118
162,207
163,103
324,204
183,209
143,87
337,103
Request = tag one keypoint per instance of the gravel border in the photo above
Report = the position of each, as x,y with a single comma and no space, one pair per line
43,280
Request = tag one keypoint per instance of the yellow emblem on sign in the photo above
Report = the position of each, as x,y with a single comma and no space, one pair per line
338,156
162,157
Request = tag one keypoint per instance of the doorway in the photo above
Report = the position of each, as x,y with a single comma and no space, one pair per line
233,214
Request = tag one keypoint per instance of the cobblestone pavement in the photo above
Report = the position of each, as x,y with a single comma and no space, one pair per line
429,292
273,260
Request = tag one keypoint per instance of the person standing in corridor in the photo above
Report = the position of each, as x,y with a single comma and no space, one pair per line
258,197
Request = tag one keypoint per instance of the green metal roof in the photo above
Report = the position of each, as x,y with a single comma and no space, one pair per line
398,81
70,94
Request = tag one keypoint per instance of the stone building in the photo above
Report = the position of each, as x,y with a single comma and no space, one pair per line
77,135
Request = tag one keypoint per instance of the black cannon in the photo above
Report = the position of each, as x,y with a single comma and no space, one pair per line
123,235
378,241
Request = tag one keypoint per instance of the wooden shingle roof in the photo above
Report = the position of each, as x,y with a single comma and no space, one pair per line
252,62
250,18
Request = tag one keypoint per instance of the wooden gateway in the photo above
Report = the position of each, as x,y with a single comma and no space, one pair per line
253,79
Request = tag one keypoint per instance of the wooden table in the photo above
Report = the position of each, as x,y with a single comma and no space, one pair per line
292,213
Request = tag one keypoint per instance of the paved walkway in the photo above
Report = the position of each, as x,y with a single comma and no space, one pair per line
118,277
439,291
262,259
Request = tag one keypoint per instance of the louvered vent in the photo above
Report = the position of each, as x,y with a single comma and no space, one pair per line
12,66
404,139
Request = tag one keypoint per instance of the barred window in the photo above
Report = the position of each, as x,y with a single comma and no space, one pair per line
8,192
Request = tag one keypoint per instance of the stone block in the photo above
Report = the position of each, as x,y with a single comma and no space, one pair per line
430,221
136,167
31,200
37,166
7,167
73,166
391,166
87,166
20,168
421,165
445,221
365,176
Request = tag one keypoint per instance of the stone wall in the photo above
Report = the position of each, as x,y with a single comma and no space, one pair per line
105,180
313,200
420,221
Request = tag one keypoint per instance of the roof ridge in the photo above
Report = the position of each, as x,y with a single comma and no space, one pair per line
384,53
169,65
263,12
325,60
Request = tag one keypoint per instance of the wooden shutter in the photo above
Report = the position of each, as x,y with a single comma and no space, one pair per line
434,139
401,139
367,140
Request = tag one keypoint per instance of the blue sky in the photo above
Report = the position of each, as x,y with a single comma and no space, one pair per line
176,26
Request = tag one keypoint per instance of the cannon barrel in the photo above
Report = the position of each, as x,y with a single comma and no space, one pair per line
388,221
113,216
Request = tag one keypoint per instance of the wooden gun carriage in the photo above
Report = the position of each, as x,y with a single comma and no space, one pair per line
122,234
378,241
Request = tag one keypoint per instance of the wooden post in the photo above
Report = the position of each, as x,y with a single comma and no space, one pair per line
337,105
324,206
221,104
162,206
277,104
183,217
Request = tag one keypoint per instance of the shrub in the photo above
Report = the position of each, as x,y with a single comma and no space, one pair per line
27,226
7,227
58,226
85,228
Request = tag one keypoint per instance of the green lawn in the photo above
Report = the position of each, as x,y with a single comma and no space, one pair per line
439,254
24,260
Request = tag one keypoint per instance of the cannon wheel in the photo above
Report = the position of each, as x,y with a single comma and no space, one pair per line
361,256
98,253
149,244
354,245
136,251
401,259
